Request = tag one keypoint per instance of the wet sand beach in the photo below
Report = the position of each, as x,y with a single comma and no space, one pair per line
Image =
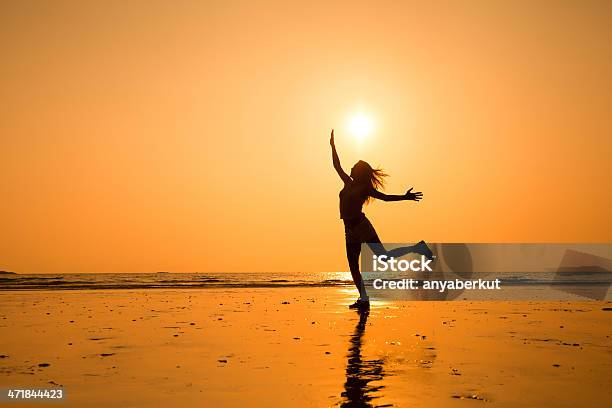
301,347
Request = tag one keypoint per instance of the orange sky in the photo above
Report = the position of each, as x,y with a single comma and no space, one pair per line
193,136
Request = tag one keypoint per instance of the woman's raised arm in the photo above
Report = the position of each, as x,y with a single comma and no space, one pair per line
336,160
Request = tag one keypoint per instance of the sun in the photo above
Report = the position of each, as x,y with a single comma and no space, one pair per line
360,126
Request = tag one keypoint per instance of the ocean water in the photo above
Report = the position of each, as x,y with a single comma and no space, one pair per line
587,266
11,281
169,280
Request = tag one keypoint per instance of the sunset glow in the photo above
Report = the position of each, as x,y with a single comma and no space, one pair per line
154,137
360,126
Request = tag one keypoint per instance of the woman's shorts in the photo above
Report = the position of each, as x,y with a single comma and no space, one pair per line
361,232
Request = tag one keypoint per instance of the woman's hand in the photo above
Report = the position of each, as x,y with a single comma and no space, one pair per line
413,196
331,139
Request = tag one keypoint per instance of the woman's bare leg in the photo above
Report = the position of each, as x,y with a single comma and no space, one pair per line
352,253
379,249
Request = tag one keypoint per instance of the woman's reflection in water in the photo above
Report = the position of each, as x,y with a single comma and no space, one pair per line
358,392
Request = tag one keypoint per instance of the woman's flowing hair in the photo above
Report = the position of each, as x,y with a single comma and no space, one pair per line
375,177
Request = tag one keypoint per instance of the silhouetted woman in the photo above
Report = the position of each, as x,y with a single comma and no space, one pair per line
363,184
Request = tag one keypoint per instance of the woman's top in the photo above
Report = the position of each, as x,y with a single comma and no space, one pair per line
352,197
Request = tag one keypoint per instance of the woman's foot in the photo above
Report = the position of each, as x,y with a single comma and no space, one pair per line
423,249
360,304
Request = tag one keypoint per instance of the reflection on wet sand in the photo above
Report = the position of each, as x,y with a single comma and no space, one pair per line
358,392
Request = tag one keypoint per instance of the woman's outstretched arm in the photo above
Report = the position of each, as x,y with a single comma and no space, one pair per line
336,160
391,197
